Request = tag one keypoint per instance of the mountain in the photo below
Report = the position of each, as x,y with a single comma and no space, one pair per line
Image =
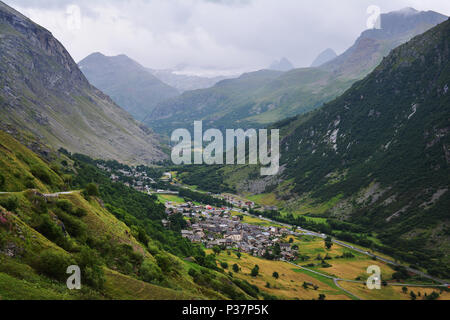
128,83
44,94
324,57
377,157
211,104
397,27
183,82
297,91
281,65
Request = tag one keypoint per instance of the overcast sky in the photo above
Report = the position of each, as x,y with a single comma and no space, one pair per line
210,36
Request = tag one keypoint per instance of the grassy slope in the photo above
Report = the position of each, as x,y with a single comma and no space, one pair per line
18,276
16,163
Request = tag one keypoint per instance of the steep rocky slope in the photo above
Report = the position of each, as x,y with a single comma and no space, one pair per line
43,92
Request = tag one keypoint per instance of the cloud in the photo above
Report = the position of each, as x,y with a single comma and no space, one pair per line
212,36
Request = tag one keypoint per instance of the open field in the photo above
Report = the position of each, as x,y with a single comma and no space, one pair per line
390,292
266,199
163,198
344,268
289,285
255,220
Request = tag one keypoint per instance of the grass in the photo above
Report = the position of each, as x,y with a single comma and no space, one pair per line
306,205
389,292
16,289
17,164
119,286
265,199
255,220
289,284
163,198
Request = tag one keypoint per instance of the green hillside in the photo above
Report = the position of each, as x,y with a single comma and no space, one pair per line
115,235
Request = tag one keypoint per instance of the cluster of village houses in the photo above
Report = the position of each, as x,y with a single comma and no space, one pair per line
212,226
218,227
137,179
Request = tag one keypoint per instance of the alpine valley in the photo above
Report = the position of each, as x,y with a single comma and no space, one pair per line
86,181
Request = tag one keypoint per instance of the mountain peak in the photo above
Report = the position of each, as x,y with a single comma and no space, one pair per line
406,11
128,83
324,57
281,65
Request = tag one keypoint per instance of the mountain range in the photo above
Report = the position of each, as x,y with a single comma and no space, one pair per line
260,98
44,94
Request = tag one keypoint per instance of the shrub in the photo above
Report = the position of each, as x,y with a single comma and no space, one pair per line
39,204
192,273
11,203
166,263
2,180
248,288
55,167
64,205
150,272
255,271
224,265
73,226
433,296
91,269
92,190
54,264
267,296
50,230
79,212
153,249
29,183
126,260
42,174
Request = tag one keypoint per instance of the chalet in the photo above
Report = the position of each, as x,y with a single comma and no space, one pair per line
285,247
186,233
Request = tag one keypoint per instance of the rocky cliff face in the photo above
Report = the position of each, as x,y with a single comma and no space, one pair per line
43,92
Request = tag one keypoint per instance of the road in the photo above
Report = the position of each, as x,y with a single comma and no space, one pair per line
47,195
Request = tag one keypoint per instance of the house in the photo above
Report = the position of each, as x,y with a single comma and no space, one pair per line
286,247
234,236
186,233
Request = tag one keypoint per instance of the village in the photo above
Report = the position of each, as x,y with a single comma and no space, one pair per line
219,227
212,226
138,178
